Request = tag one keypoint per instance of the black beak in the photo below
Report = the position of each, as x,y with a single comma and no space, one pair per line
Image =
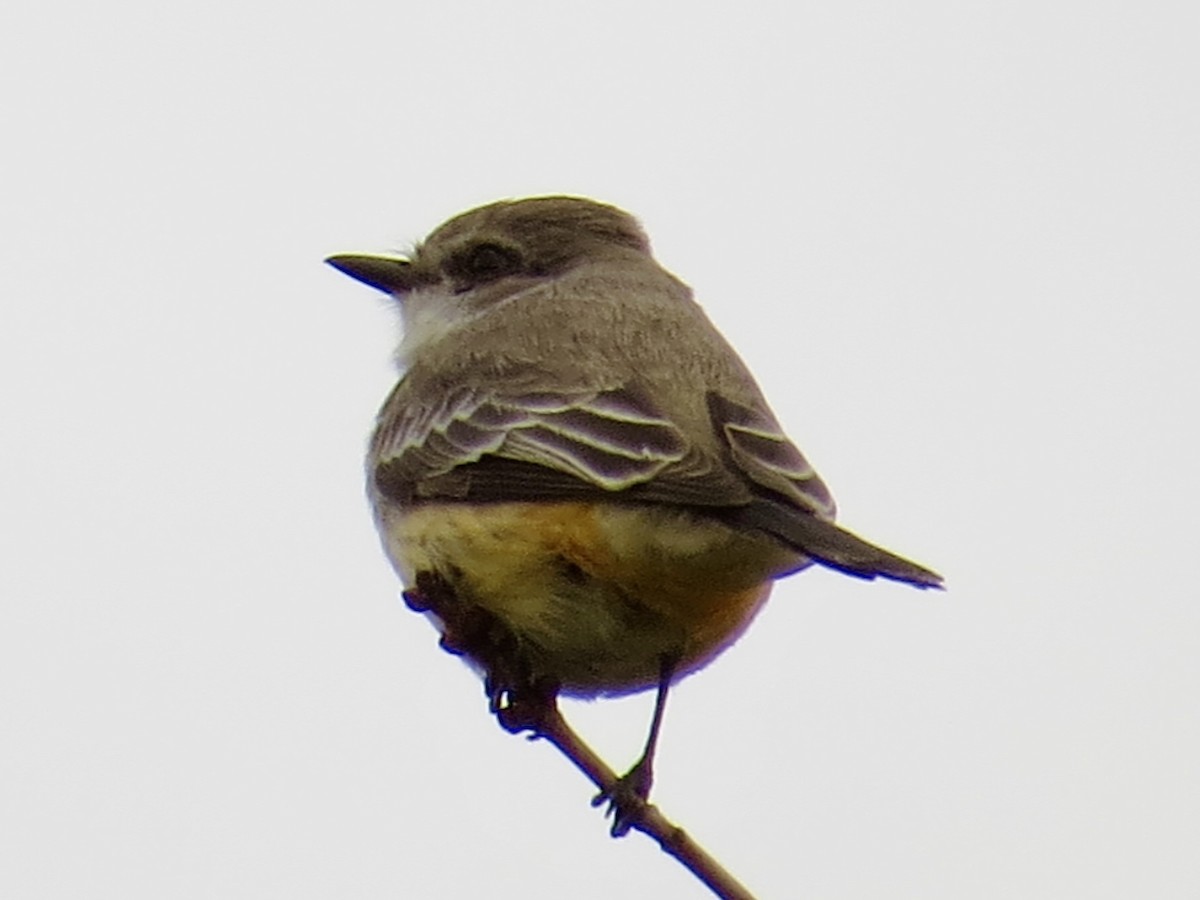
384,273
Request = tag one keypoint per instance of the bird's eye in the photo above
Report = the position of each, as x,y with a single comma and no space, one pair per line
485,262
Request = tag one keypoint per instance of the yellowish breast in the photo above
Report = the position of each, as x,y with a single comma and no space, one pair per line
598,593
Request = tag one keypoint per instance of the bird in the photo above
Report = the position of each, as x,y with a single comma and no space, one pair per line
576,476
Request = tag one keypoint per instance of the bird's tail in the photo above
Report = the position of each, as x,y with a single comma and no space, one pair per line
832,546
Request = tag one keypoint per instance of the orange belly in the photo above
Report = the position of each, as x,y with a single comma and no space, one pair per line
597,594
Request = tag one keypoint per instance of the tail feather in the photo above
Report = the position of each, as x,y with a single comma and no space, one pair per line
833,546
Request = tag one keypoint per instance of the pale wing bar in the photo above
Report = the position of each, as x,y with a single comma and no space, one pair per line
761,452
611,439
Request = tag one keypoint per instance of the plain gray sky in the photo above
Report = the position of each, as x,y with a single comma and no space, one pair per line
956,241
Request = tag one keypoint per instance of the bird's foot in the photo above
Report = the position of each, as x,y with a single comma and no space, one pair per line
626,798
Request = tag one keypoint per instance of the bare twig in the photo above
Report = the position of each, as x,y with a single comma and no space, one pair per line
522,702
547,723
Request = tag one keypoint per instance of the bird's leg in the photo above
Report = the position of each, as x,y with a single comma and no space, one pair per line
524,701
629,794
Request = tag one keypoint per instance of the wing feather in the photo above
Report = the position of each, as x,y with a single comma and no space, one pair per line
611,439
492,446
759,450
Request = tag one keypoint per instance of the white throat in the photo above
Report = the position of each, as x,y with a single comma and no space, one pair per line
426,317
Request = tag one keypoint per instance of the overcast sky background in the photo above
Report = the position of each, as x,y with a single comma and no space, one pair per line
957,241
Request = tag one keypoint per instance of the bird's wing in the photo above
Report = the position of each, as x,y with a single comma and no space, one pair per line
503,444
792,502
486,444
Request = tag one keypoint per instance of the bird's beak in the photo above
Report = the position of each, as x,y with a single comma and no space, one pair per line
389,274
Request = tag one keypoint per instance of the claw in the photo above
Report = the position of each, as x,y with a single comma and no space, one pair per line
627,798
415,601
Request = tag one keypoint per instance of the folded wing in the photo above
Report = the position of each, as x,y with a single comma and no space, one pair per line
487,445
